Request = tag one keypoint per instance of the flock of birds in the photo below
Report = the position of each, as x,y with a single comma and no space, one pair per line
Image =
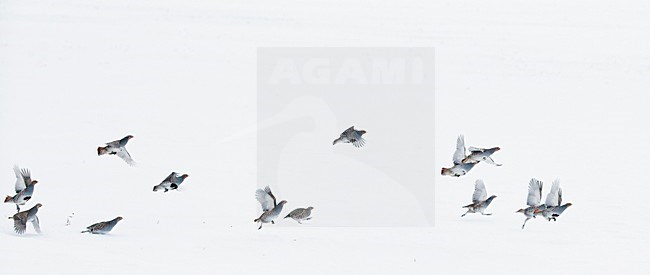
25,190
463,163
271,209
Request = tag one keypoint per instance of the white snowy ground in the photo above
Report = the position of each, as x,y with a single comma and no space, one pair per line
562,87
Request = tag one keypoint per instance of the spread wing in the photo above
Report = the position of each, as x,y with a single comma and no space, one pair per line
559,197
36,224
266,198
124,154
459,155
23,177
553,197
534,192
20,222
358,142
480,193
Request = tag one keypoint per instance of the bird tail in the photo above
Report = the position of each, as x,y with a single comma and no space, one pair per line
256,220
101,151
9,198
287,216
85,231
444,171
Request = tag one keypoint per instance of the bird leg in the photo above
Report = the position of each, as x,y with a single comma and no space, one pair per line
488,214
17,208
522,227
260,226
463,215
272,222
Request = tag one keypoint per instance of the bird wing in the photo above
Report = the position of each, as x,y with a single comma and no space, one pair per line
358,142
115,143
20,222
36,224
96,227
300,213
475,149
489,160
553,197
459,155
534,192
266,198
124,154
480,193
169,179
22,176
347,131
294,212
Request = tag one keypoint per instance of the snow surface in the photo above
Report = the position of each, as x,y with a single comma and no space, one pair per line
560,86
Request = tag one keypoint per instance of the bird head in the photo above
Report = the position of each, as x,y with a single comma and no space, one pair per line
568,204
362,131
185,176
119,218
310,208
129,137
492,197
38,205
497,148
9,198
283,202
34,182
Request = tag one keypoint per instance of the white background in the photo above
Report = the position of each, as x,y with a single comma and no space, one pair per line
561,87
388,182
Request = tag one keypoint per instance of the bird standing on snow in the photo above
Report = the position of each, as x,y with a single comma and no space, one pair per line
480,200
117,148
300,214
459,168
533,201
270,207
24,188
479,154
553,206
171,182
351,136
22,218
102,227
